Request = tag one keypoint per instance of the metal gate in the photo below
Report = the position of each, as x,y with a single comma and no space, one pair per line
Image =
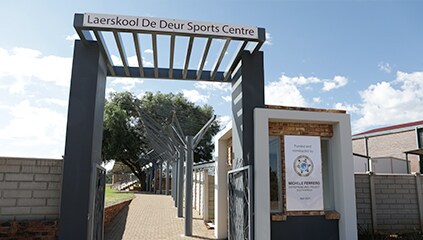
240,207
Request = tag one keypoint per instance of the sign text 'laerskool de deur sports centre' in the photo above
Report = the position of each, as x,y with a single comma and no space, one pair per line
169,25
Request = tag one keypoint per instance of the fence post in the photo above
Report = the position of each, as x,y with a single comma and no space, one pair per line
206,196
419,197
373,200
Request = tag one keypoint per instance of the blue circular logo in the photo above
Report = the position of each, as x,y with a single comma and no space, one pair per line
303,166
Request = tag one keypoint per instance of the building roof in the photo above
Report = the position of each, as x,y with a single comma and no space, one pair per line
393,128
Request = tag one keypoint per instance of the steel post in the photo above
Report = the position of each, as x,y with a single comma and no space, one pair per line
180,193
188,186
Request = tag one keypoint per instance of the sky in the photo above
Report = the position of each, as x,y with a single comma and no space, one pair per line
365,57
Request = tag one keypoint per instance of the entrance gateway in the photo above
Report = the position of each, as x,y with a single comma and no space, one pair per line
83,185
92,64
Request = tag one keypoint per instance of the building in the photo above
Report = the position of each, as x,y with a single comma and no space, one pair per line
390,146
289,197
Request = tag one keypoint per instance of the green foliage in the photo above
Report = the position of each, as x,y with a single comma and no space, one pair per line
192,118
125,138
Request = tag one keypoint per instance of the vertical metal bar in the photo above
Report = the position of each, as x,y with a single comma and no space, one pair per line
167,177
147,181
171,55
156,62
105,52
122,53
173,182
235,60
406,162
204,58
138,52
188,186
156,184
188,56
369,162
180,194
160,177
373,201
152,179
219,60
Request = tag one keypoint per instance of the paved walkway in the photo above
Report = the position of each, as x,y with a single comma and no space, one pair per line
150,217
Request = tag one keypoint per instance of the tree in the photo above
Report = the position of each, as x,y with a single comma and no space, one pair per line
191,117
125,139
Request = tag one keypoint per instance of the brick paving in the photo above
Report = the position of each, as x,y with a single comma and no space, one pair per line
150,217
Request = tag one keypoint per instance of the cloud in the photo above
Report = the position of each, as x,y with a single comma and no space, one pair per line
72,37
386,103
149,51
109,91
127,83
336,82
195,96
132,61
40,130
348,107
284,92
224,120
213,86
268,39
25,65
384,67
54,101
287,90
227,98
317,100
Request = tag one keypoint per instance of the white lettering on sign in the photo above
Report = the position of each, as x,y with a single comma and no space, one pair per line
169,25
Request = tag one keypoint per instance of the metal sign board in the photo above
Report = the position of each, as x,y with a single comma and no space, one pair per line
303,169
169,26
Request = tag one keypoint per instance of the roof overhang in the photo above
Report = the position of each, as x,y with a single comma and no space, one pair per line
418,151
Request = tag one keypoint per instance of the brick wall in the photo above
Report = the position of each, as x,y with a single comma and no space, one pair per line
30,188
396,207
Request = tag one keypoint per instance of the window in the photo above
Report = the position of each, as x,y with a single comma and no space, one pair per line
275,174
420,137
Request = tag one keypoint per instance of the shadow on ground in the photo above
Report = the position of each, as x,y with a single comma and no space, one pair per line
119,223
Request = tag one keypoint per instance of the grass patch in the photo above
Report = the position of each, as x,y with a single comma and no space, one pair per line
114,196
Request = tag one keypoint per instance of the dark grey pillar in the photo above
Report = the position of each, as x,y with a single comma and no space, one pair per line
156,186
146,181
160,177
180,193
174,171
83,140
167,177
188,186
151,178
247,94
173,190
